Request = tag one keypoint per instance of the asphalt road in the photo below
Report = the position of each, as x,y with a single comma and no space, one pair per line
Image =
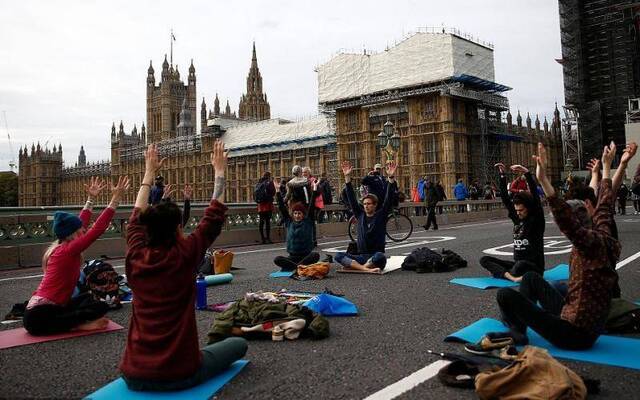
402,315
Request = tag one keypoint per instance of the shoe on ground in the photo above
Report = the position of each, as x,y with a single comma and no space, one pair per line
435,228
328,258
426,228
269,241
486,346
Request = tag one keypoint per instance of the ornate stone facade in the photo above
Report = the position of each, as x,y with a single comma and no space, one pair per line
254,105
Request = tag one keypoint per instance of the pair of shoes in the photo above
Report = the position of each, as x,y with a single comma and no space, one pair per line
328,258
487,346
267,241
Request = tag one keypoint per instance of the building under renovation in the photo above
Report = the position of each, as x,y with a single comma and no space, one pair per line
437,87
601,69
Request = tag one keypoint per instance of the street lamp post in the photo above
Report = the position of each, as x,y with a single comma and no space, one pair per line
388,140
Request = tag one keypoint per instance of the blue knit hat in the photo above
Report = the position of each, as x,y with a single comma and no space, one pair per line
64,224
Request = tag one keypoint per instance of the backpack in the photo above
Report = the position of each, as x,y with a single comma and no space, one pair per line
260,194
423,260
623,318
103,282
300,194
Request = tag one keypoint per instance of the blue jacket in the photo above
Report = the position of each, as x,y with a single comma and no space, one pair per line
460,191
421,185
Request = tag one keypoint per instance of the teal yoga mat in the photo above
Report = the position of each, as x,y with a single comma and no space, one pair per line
118,388
281,274
608,350
218,279
558,273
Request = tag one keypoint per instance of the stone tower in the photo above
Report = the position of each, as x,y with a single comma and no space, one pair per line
82,158
254,105
185,126
164,102
39,176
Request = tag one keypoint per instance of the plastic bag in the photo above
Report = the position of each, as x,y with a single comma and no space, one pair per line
328,305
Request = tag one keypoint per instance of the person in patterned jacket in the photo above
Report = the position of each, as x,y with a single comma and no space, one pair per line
575,321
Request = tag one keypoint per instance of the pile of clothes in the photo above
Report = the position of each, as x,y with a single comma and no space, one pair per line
277,315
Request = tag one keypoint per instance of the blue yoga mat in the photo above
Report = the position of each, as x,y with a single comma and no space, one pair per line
281,274
118,388
608,350
558,273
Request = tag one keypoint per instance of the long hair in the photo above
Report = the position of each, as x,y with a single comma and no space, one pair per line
45,258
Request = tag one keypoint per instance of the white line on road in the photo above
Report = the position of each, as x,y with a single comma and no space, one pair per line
627,260
404,385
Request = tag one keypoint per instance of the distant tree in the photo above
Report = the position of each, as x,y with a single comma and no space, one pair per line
8,189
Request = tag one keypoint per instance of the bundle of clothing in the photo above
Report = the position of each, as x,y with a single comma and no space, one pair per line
260,315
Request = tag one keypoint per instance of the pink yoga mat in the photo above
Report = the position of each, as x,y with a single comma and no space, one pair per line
20,337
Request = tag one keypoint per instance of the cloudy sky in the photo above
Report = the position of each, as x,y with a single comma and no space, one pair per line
69,69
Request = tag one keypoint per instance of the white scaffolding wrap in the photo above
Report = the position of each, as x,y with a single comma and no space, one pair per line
420,59
278,135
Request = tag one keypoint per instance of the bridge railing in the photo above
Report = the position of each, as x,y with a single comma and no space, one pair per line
23,225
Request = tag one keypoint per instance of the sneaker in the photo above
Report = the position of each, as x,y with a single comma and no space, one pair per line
328,258
486,345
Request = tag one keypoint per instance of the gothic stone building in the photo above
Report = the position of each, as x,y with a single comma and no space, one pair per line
257,144
438,91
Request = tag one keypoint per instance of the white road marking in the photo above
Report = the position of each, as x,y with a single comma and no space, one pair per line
551,242
627,260
18,278
404,385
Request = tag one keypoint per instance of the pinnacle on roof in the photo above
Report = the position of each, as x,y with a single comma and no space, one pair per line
150,70
192,69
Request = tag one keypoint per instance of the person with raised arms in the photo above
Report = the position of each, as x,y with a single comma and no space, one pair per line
526,212
162,351
51,309
371,224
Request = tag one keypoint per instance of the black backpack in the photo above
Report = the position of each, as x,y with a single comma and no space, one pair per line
423,260
260,194
103,282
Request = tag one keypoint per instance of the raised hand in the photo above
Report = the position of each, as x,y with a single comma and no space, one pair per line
391,168
346,168
608,154
541,162
187,192
629,152
594,166
517,168
95,186
219,158
119,189
152,161
168,191
501,167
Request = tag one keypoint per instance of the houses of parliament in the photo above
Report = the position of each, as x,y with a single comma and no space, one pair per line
452,124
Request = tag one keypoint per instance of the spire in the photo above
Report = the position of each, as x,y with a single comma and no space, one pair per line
192,73
82,158
143,134
254,58
528,120
545,125
519,120
227,109
185,126
216,106
537,123
253,105
165,69
150,70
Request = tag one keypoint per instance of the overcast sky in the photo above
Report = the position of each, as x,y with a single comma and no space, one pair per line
69,69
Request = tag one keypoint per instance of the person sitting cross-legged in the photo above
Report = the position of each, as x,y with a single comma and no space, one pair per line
51,308
576,320
299,223
526,213
371,224
162,351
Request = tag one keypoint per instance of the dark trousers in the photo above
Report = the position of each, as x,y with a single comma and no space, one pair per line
462,208
265,224
519,311
291,263
622,206
440,210
216,358
431,218
499,267
49,319
636,205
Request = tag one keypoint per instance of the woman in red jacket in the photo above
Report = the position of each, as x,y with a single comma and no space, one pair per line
51,309
162,350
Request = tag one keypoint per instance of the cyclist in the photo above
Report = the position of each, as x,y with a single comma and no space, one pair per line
372,224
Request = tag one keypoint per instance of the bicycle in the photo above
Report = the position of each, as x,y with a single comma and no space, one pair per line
399,226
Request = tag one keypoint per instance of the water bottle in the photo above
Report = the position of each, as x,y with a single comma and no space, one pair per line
201,292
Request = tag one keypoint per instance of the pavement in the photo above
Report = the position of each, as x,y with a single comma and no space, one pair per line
402,315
